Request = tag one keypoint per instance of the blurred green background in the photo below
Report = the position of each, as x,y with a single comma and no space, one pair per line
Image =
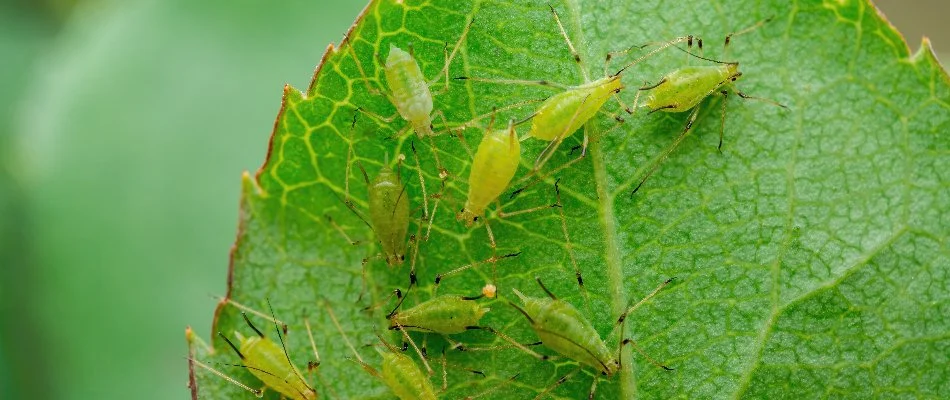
124,127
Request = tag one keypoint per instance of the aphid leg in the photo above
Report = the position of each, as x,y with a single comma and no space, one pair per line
494,388
493,259
593,388
535,174
559,382
448,60
425,362
570,247
313,365
363,265
359,360
622,323
722,121
757,25
679,139
445,373
348,43
342,232
395,293
509,339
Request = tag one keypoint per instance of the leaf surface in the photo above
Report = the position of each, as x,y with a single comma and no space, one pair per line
810,255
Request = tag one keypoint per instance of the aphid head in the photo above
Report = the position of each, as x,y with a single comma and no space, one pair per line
733,70
396,56
466,216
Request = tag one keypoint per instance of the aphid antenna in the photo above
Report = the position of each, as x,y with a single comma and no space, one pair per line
473,123
246,309
495,388
450,56
222,375
283,346
574,54
525,82
511,340
689,53
757,25
651,53
422,182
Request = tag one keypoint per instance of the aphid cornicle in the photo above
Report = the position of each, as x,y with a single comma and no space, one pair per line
684,89
493,166
563,328
389,213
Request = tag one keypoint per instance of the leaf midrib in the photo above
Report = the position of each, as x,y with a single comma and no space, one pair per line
605,200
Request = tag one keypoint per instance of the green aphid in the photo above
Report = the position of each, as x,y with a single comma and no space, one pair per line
445,314
685,88
389,213
564,113
398,372
562,328
267,360
494,164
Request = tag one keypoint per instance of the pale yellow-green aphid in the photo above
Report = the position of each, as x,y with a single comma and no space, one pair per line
563,328
685,88
266,359
493,166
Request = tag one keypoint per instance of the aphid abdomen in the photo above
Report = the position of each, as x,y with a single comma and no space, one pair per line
446,314
405,379
562,328
565,112
685,88
389,214
267,361
411,94
495,163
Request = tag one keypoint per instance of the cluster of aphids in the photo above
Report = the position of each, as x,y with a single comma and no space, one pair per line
559,326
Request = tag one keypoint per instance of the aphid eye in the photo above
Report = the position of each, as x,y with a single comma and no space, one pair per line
475,219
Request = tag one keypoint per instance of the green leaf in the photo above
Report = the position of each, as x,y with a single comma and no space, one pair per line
810,255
